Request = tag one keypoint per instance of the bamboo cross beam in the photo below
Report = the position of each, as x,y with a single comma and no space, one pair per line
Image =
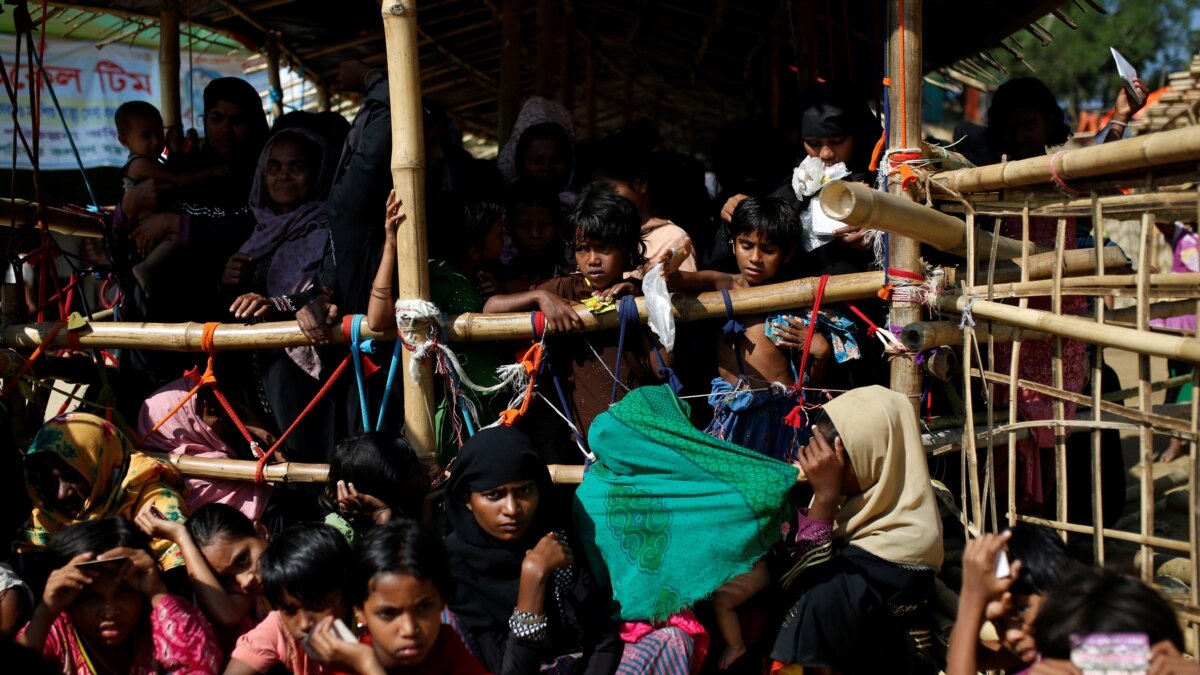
1161,285
58,220
1132,154
1128,339
859,205
473,327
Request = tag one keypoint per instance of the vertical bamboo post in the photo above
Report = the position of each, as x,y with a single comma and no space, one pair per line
907,73
510,69
547,29
408,175
567,77
168,67
590,65
1097,391
972,506
274,82
1060,432
1014,374
1146,432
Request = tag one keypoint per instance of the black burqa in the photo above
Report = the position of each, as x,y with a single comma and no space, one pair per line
487,571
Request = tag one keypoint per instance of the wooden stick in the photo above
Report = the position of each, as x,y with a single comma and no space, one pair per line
273,78
922,335
1132,154
61,221
168,65
408,176
859,205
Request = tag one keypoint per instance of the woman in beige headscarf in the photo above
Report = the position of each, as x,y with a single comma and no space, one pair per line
867,548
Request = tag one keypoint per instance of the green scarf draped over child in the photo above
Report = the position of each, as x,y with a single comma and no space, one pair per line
671,512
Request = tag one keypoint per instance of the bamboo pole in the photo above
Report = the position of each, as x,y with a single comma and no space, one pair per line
905,52
168,67
59,220
1139,342
273,78
408,175
510,69
1132,154
859,205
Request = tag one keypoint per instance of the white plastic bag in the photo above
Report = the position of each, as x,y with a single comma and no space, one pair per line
658,305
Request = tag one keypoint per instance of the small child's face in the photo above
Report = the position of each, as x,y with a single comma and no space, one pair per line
299,617
144,136
534,229
1016,627
758,258
404,615
601,263
235,562
544,158
108,610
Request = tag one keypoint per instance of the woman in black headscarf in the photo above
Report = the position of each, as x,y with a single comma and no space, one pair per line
519,590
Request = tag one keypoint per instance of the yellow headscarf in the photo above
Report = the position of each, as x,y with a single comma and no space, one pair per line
123,481
896,516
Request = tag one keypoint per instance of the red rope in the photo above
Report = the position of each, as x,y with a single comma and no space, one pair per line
871,327
41,348
812,329
262,461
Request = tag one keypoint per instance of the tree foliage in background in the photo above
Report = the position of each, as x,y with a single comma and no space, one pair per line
1157,36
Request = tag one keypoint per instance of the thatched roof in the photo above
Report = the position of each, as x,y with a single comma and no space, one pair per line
690,66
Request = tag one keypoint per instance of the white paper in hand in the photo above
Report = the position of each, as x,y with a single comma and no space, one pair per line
1127,72
658,306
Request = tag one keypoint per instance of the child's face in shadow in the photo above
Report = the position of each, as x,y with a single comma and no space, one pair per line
601,263
758,258
108,610
544,158
404,615
299,616
235,562
1016,626
144,136
534,229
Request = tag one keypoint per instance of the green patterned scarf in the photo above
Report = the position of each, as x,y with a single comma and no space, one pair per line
670,512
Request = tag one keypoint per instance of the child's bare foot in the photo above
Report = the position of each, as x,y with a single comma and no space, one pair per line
730,654
1173,452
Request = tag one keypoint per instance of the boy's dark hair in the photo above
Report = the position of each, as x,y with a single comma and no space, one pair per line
213,522
1044,559
457,224
380,464
96,536
773,218
532,191
400,547
606,216
307,561
133,109
1089,601
1025,92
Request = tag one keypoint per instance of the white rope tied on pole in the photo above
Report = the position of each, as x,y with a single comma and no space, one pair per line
409,313
967,319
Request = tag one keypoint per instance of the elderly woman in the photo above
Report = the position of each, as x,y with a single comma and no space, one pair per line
80,468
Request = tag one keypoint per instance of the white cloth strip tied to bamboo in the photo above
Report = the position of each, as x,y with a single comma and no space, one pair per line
412,314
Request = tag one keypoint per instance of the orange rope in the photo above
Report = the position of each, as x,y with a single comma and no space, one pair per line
532,360
28,365
262,461
877,152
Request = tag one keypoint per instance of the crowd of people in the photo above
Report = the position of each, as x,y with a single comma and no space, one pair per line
785,523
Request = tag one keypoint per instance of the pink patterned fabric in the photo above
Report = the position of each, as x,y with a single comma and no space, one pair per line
1037,365
633,632
184,433
181,642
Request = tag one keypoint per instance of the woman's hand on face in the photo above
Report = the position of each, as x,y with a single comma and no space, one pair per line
238,271
549,554
980,583
394,217
250,306
560,316
324,645
730,206
824,466
140,571
160,528
65,583
353,502
1165,659
317,319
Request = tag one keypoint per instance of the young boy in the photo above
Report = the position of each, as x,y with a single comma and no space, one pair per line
140,130
533,219
302,571
608,243
765,234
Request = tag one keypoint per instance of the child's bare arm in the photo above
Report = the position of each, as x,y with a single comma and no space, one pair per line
144,167
380,311
702,280
741,588
560,315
